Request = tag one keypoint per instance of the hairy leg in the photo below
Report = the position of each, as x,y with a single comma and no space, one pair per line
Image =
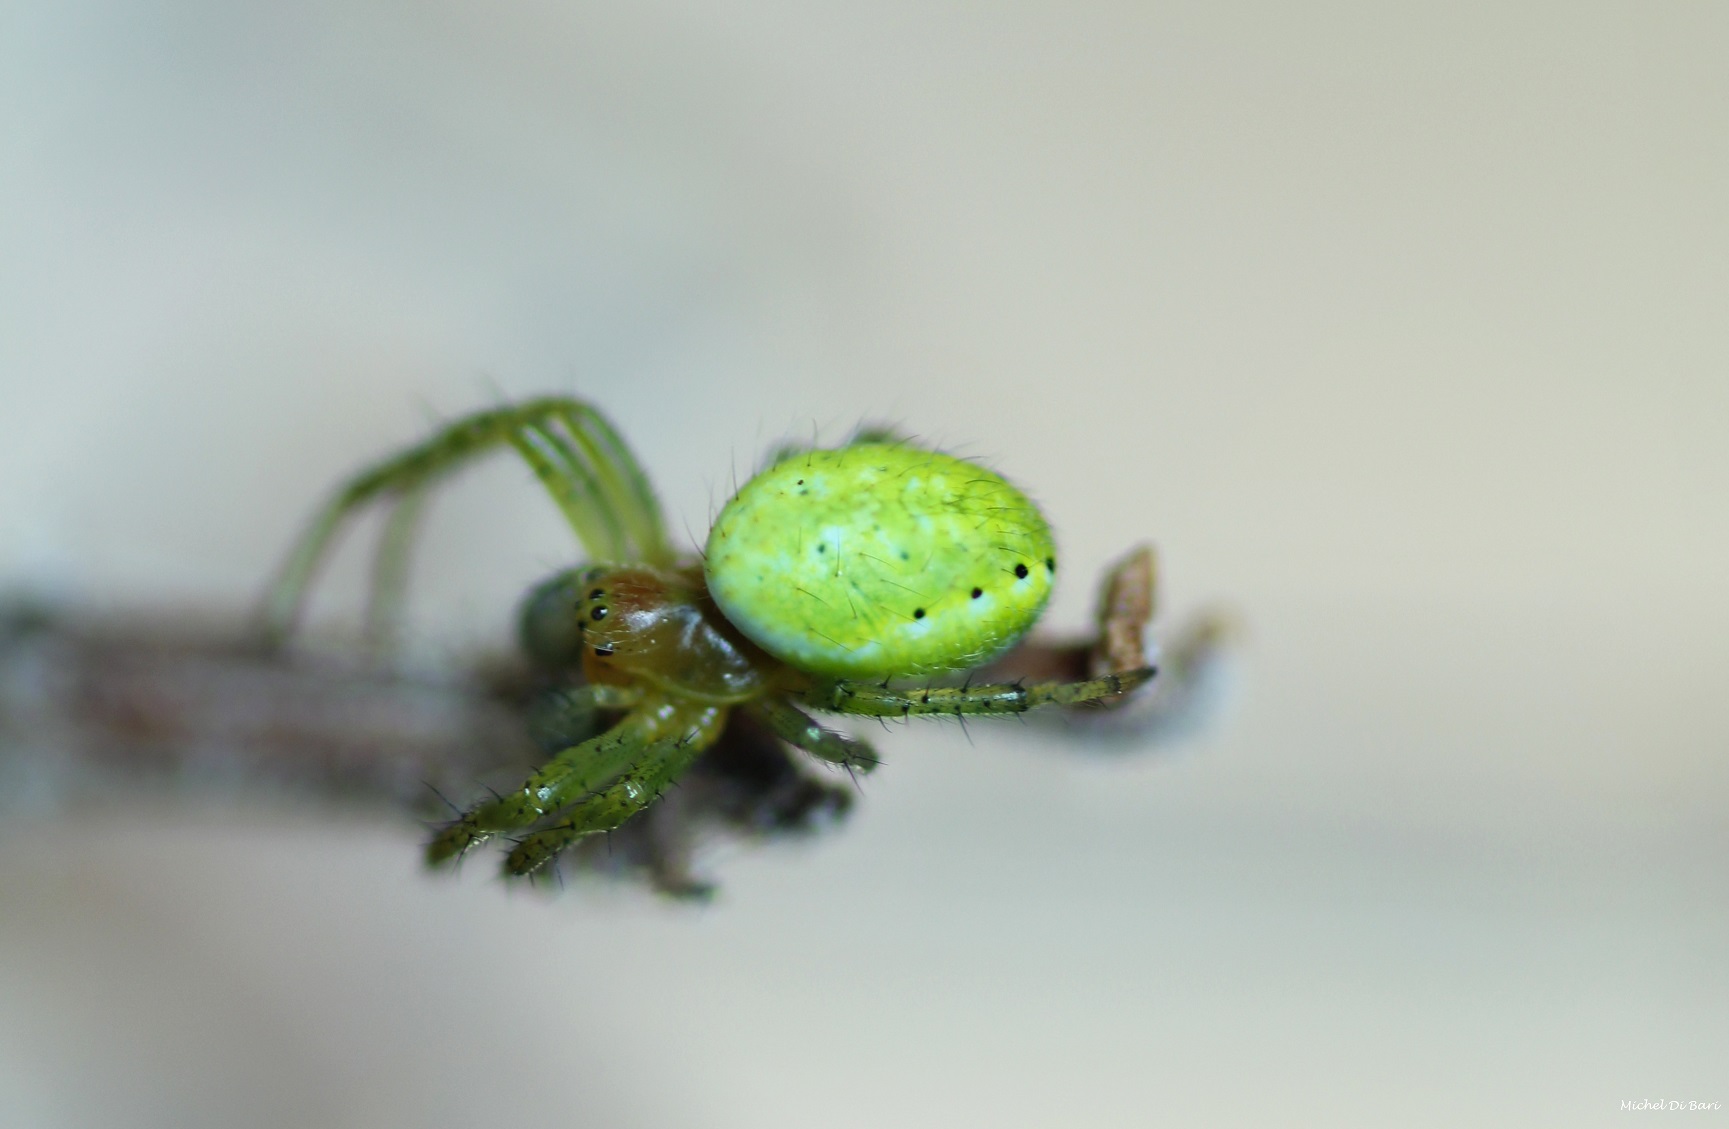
799,730
569,775
578,457
876,700
654,768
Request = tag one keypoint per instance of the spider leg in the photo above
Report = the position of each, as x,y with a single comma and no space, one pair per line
621,477
656,765
573,488
875,700
799,730
569,774
389,587
577,456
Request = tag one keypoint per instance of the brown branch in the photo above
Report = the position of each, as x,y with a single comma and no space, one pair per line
103,708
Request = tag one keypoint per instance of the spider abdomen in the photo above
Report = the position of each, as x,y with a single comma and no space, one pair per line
881,558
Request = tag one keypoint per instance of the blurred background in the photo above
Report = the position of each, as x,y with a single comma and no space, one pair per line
1399,330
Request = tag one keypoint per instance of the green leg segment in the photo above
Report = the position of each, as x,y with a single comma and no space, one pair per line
656,767
565,778
799,730
621,477
390,570
875,700
578,457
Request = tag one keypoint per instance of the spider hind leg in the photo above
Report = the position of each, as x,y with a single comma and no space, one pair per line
880,700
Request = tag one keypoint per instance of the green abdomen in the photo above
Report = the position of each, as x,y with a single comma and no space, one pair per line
880,559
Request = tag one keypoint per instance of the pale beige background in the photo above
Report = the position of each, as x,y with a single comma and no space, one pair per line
1401,329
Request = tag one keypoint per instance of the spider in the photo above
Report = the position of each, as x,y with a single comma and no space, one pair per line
831,581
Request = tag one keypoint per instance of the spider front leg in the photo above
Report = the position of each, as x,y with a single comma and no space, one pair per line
655,767
882,700
574,452
569,775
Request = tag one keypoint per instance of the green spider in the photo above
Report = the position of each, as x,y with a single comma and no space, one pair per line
829,582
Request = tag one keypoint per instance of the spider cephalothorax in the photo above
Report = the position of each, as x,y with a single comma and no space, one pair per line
830,580
628,623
